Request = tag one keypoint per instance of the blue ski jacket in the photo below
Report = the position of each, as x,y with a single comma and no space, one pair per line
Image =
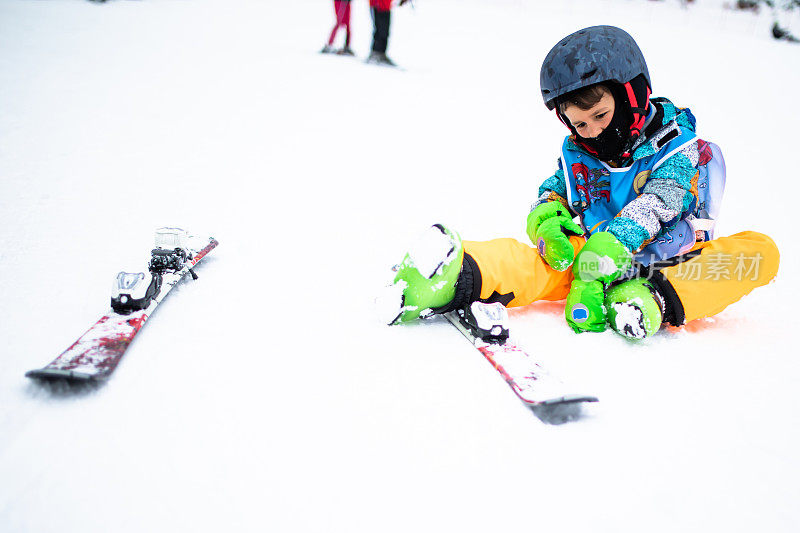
667,185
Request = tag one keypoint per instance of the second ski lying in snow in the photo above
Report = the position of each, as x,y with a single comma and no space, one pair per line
134,297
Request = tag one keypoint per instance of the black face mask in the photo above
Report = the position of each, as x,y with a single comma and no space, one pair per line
616,140
611,142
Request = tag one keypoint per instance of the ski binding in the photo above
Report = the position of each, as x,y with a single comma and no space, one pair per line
134,298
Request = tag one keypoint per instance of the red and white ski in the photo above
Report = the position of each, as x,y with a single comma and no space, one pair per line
485,326
95,355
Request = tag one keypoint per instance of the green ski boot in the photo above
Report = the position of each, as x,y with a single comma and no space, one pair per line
426,279
635,309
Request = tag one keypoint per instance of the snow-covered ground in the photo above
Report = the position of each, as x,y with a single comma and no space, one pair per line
266,396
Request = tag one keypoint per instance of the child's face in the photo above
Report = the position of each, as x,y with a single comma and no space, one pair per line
591,122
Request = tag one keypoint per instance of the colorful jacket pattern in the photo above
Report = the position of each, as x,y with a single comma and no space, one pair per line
663,172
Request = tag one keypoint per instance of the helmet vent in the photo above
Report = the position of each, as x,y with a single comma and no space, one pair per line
587,75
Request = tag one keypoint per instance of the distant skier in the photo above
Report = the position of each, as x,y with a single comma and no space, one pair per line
645,190
342,10
781,11
782,20
382,20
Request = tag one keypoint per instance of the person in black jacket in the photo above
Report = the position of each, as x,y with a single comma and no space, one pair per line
382,19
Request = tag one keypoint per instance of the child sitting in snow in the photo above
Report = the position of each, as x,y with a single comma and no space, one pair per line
645,190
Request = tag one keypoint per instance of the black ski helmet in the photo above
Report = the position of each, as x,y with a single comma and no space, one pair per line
589,56
608,55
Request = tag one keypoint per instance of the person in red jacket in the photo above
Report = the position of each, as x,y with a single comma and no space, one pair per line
342,9
382,19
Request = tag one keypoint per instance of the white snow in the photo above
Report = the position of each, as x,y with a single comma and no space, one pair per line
431,251
630,316
265,396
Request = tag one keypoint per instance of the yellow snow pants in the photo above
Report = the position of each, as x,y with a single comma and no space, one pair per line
713,275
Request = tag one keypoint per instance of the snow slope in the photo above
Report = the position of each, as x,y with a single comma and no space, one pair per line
266,396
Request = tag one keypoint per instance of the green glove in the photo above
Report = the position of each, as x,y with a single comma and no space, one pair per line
585,309
603,258
549,225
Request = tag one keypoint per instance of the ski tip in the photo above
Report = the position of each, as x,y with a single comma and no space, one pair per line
50,374
65,383
561,410
573,398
